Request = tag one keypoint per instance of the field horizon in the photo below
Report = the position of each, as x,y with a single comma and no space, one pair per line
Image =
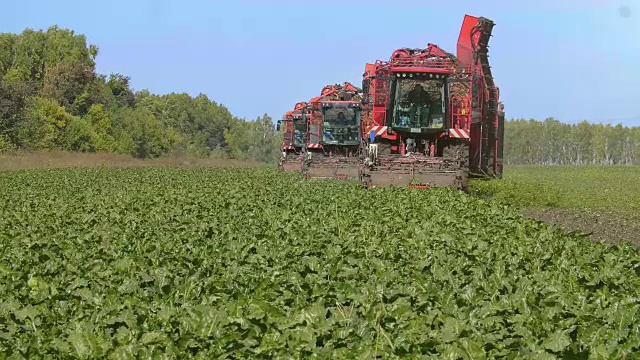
603,204
54,159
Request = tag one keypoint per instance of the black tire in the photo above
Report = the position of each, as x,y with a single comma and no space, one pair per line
463,180
457,151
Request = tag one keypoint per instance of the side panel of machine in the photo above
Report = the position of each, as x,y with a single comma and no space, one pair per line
486,130
315,129
496,163
288,136
377,82
466,44
291,156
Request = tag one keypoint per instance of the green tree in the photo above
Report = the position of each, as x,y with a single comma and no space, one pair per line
100,123
14,94
266,146
67,83
140,133
558,143
42,125
7,52
79,135
121,91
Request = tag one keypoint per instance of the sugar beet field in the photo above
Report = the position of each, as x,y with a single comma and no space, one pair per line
250,263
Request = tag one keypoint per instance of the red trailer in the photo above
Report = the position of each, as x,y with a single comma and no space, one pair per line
294,137
334,134
432,118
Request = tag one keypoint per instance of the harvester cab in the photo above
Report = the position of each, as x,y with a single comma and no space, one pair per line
430,115
340,124
334,133
293,137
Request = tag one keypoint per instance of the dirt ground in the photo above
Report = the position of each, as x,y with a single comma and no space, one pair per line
602,225
62,159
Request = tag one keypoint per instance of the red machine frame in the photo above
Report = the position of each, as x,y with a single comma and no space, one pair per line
470,141
324,160
291,158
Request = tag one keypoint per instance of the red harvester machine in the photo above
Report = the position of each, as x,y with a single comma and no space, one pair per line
334,134
294,137
432,118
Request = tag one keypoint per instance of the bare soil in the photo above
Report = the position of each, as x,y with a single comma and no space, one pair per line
62,159
608,226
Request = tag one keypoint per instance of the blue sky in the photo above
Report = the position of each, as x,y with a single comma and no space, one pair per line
570,59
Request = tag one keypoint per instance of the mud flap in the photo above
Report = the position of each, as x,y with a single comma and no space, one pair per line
414,179
291,165
330,170
364,177
423,180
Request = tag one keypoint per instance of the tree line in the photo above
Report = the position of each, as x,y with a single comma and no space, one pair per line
52,98
556,143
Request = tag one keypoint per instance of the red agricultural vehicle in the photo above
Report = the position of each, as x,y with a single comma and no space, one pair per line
432,118
294,137
334,135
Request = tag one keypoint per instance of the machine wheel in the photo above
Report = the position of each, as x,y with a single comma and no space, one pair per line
365,179
462,180
457,151
463,150
281,164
